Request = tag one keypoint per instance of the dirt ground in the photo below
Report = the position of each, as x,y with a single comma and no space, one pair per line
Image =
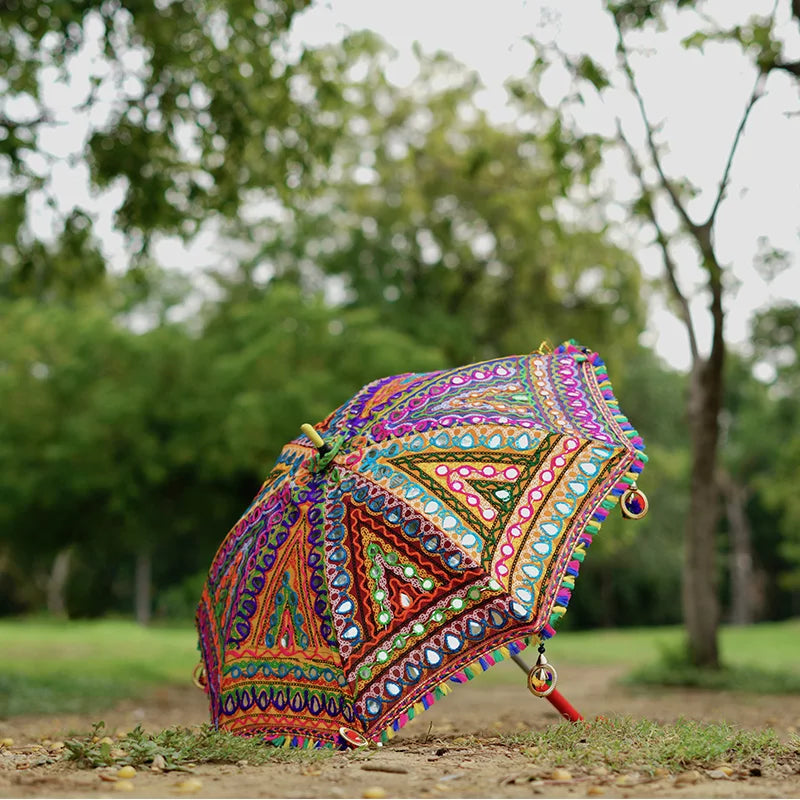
428,758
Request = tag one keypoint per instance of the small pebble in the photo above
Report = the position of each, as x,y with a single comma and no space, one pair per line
374,792
690,776
660,772
595,791
123,786
189,786
126,772
159,763
717,774
560,774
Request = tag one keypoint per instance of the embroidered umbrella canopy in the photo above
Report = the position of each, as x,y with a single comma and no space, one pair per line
436,526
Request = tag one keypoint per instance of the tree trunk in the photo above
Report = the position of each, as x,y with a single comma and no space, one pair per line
700,602
143,588
743,583
57,583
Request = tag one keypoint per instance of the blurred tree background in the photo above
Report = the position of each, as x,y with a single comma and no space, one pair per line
360,229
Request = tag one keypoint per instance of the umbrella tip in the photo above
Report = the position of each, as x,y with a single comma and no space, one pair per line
316,439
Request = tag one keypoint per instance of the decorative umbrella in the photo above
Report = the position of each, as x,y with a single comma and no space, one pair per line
429,527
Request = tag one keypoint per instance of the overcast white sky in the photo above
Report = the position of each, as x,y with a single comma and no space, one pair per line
697,97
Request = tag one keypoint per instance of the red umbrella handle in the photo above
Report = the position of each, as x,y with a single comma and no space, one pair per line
560,703
563,706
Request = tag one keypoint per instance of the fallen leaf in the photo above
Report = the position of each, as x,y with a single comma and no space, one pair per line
159,763
107,776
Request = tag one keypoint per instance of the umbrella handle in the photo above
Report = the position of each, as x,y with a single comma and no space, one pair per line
559,702
563,706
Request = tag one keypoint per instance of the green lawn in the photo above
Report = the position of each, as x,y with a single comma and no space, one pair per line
776,644
51,667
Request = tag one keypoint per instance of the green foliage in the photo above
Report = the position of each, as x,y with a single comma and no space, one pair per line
368,230
180,749
590,70
674,668
623,744
209,68
777,343
432,234
755,38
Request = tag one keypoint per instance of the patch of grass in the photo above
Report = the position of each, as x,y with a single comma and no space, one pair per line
50,694
49,667
178,749
622,744
673,668
779,642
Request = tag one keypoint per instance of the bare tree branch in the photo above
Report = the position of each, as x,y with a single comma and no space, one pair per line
670,267
755,94
622,52
792,67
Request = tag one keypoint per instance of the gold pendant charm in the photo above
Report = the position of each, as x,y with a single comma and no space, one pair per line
352,738
199,678
634,503
542,678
